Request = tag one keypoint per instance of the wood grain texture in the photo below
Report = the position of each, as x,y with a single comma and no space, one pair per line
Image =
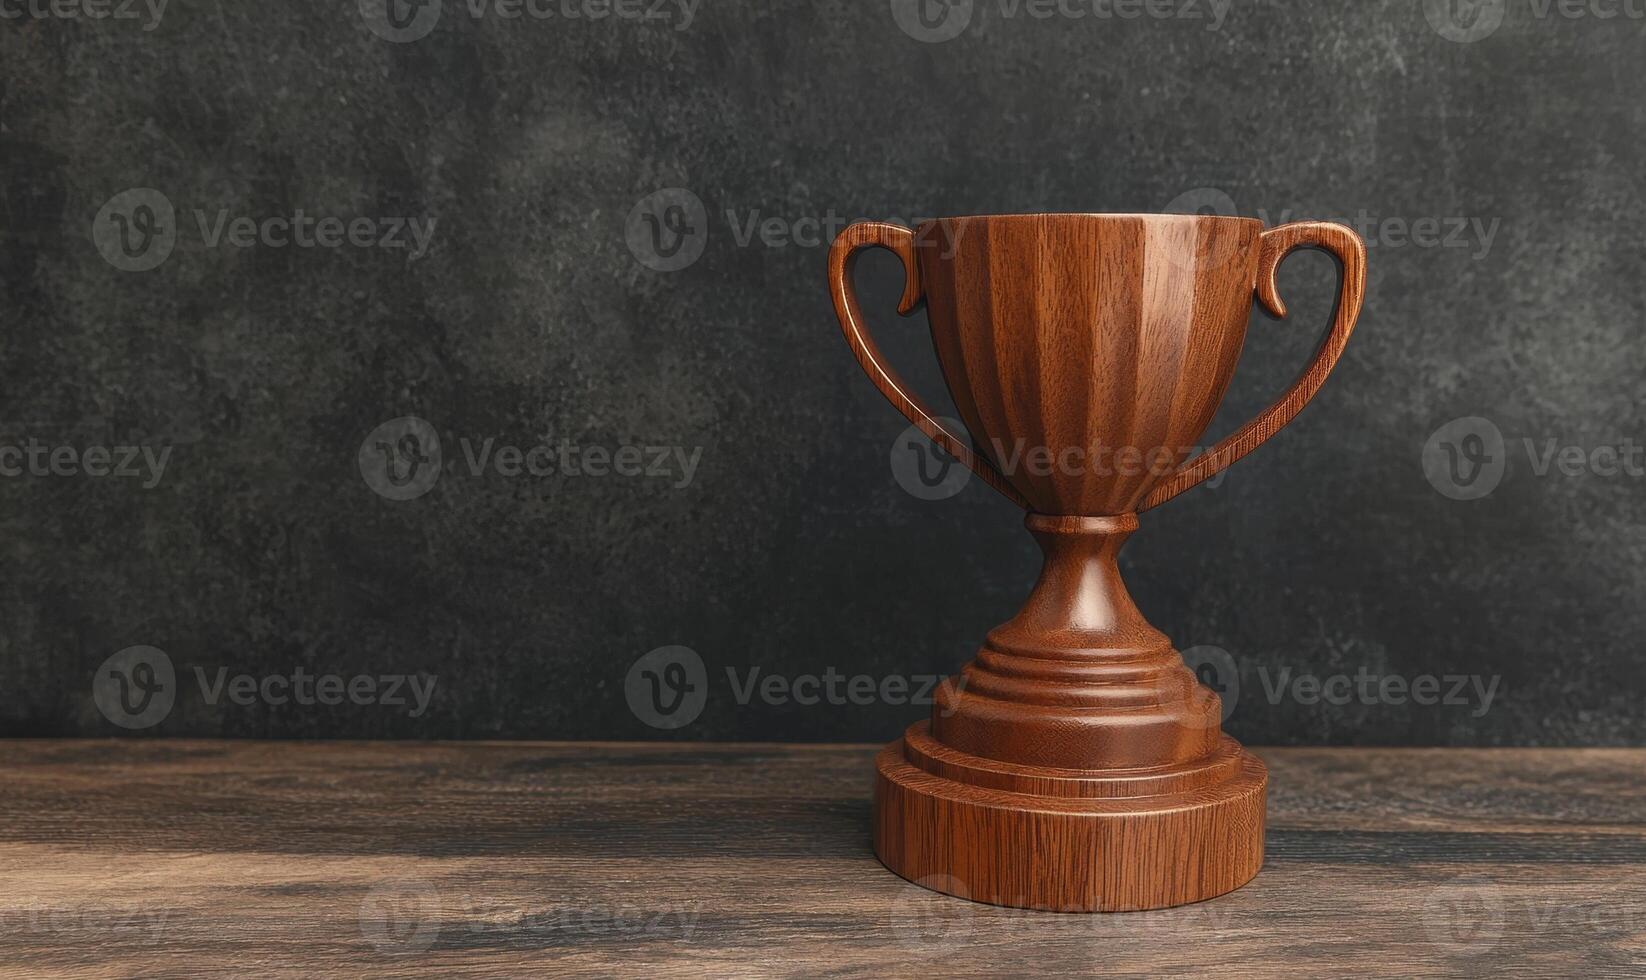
1075,764
1277,244
1086,354
1109,333
194,859
1077,851
1087,330
900,241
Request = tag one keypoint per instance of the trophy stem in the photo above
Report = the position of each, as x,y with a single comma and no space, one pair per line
1075,764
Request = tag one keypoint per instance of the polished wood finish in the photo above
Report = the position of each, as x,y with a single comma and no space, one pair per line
1277,244
1116,331
1059,331
186,859
899,241
1076,764
1124,792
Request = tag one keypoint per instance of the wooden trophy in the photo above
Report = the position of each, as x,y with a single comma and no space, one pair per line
1076,764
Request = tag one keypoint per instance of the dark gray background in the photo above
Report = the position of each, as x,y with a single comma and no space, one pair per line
793,549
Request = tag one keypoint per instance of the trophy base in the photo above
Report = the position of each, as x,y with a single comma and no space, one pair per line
1068,840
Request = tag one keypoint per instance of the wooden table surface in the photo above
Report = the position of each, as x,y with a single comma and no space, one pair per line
189,858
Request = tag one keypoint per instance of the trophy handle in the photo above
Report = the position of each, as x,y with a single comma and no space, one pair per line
842,260
1277,244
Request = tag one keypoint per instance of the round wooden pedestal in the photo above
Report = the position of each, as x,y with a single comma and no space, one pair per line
1068,840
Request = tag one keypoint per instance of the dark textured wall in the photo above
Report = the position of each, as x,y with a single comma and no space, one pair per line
1490,154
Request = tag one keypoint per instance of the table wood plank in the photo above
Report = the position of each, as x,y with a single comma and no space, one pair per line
159,858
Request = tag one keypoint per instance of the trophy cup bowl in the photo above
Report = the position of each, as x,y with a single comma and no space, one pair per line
1076,764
